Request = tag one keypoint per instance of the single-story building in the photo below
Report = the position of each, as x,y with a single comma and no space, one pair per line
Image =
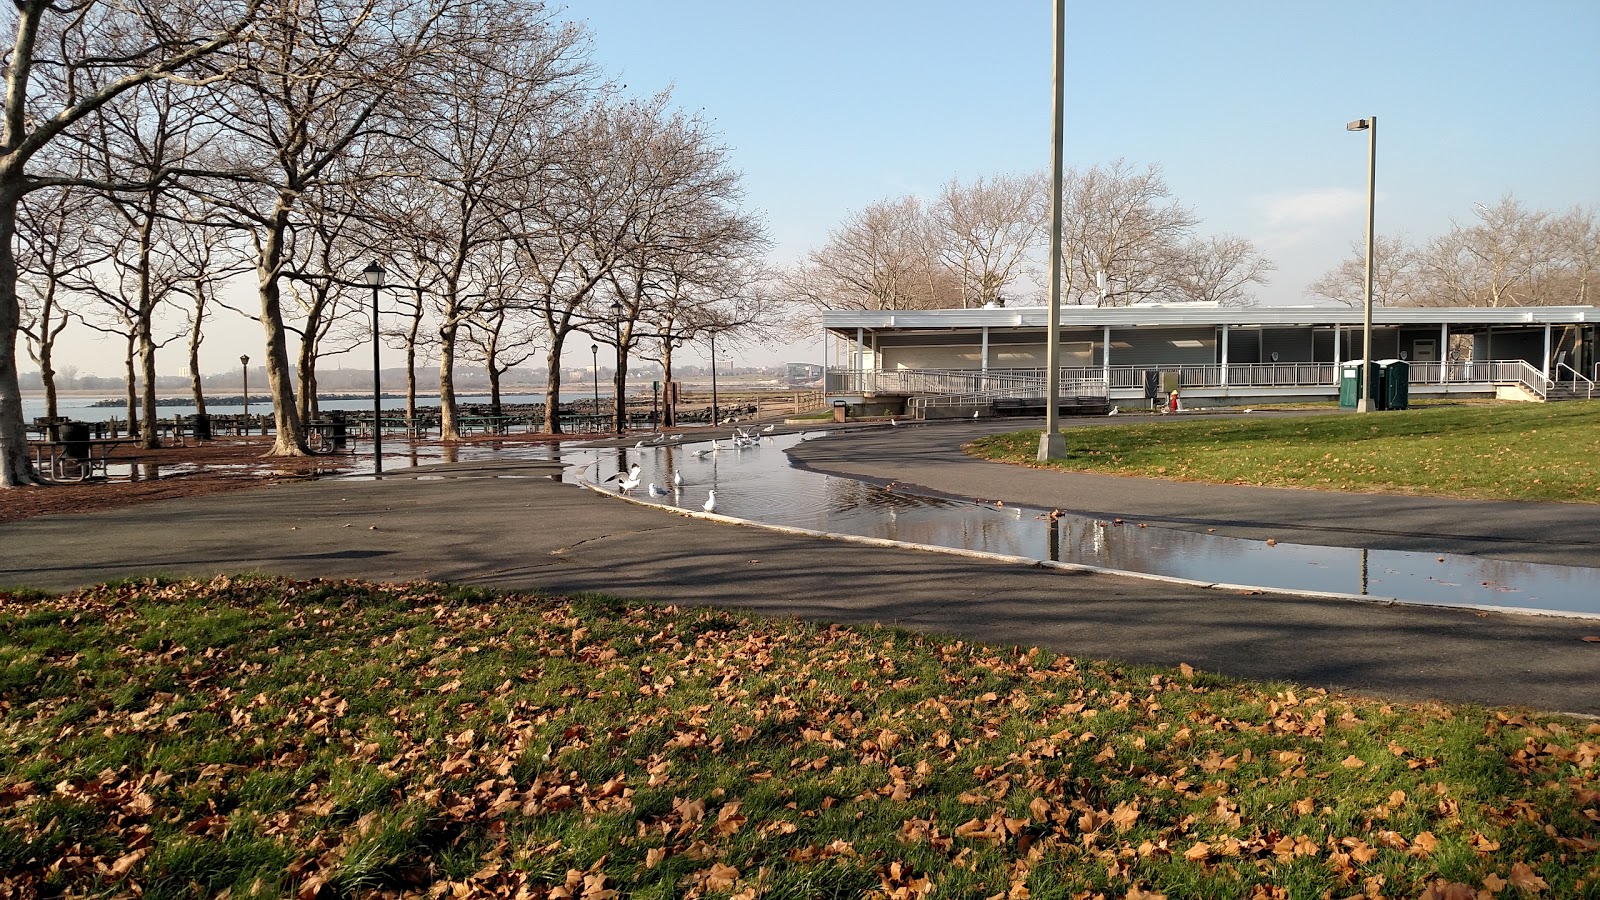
967,358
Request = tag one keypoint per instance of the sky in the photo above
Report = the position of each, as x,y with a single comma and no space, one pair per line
828,106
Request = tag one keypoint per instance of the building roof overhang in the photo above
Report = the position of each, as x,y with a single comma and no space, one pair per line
1136,316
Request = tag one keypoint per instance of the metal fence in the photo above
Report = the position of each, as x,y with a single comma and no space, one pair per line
1030,382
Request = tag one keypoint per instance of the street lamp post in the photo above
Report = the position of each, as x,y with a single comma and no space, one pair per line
714,415
373,274
1052,443
622,406
244,364
594,355
1370,126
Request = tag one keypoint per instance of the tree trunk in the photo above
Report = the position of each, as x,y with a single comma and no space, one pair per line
47,374
448,430
16,469
669,412
552,389
132,387
196,337
290,439
494,390
411,366
621,385
148,438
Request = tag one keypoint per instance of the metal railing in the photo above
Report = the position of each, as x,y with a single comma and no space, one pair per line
1577,384
974,385
1024,389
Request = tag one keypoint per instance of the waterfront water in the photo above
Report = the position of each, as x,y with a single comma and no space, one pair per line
79,409
760,485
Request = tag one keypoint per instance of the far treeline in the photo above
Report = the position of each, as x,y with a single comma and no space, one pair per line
1126,240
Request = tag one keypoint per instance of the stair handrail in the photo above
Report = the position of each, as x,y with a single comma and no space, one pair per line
1577,376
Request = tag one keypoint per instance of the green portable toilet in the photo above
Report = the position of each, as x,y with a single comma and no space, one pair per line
1394,385
1350,384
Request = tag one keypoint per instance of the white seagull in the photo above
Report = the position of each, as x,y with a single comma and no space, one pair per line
677,478
657,492
974,414
711,502
1113,411
626,482
768,429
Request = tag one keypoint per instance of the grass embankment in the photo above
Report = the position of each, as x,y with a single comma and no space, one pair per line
273,738
1522,452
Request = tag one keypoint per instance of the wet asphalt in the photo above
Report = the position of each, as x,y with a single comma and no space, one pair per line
514,525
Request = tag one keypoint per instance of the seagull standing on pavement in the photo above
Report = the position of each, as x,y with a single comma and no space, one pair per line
711,502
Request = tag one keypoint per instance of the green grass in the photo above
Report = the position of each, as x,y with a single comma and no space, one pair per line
276,738
1516,452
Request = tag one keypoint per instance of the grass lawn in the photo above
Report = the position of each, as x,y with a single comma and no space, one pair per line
1519,452
276,738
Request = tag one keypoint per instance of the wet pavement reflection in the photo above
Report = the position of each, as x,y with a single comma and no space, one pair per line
759,484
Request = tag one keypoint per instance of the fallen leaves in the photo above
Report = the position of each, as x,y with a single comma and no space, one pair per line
691,744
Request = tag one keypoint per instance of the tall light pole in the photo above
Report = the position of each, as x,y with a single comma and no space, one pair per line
244,364
594,355
1370,126
714,415
622,406
1052,445
373,274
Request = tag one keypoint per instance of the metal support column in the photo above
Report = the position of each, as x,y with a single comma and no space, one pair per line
1224,374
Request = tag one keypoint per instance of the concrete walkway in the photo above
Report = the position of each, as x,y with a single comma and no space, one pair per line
514,525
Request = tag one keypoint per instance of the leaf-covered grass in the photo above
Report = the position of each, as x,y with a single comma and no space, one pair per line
1516,452
276,738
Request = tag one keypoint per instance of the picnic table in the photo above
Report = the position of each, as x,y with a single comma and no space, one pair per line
75,460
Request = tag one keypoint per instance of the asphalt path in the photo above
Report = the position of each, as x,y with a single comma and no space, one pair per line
512,524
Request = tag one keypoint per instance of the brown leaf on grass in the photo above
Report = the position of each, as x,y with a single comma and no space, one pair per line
125,864
1187,670
654,856
1523,876
1124,816
1198,852
728,819
1137,893
1353,762
1494,883
721,876
594,887
1483,844
1424,844
1304,806
1449,890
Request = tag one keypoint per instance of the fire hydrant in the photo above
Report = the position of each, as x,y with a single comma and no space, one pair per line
1172,402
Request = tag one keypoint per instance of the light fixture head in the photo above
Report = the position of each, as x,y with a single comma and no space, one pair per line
244,360
373,274
1357,125
594,348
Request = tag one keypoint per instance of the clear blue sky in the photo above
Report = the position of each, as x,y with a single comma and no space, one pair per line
828,106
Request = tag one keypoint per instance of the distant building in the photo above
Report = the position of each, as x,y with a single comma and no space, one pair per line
804,375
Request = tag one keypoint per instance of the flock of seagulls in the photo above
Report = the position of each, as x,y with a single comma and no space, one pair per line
740,439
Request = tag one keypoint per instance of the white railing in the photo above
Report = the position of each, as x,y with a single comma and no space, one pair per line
1033,389
972,385
1577,383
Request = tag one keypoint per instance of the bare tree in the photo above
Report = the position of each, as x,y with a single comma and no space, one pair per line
882,257
985,231
45,99
1120,222
1220,270
1505,259
1394,275
51,247
305,104
515,71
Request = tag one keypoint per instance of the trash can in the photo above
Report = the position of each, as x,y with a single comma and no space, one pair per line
75,435
1394,384
202,426
840,407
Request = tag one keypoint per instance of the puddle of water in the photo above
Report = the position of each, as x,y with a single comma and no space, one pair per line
759,484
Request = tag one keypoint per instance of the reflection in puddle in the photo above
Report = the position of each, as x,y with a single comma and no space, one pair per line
760,485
